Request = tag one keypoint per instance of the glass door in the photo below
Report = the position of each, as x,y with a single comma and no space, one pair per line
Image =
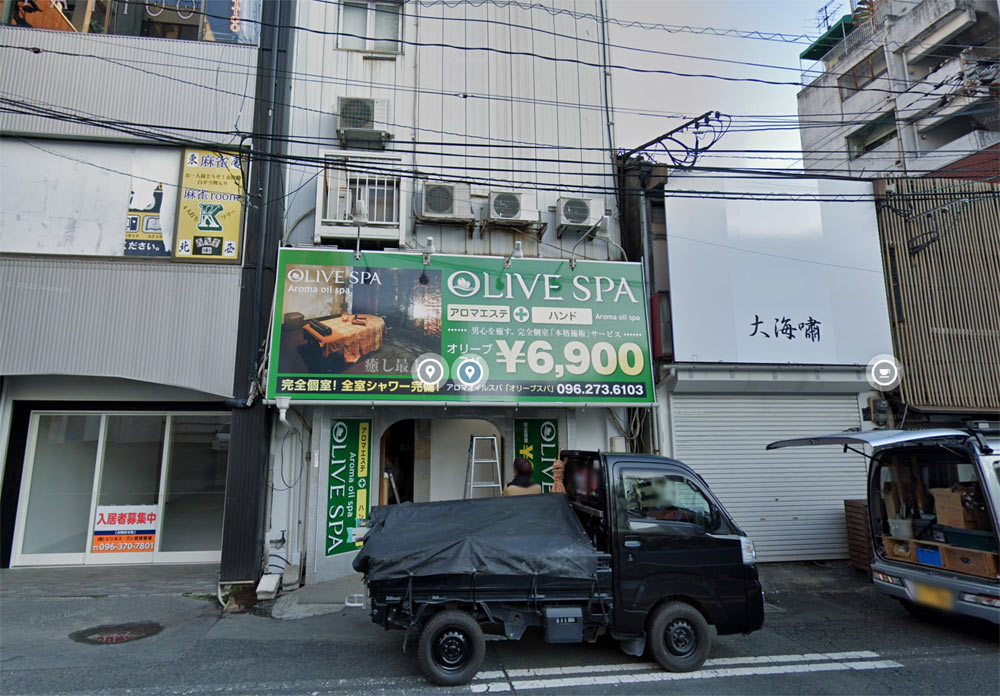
127,512
58,484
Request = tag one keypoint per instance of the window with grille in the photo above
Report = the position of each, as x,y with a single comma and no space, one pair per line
361,191
370,26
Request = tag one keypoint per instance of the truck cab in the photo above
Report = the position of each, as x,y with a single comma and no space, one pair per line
672,543
933,513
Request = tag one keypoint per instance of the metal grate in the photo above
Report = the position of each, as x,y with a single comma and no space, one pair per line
344,188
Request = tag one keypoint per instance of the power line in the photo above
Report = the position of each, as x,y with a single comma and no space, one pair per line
133,128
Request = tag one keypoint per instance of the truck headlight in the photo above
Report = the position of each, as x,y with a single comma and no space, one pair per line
748,551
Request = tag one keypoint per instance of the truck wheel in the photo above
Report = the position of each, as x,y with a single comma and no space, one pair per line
451,648
679,637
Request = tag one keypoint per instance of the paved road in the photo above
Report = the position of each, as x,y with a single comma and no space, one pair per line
827,632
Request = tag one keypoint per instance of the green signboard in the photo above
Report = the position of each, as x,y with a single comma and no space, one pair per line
349,483
537,440
390,327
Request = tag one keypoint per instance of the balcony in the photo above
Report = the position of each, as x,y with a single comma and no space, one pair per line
965,146
952,87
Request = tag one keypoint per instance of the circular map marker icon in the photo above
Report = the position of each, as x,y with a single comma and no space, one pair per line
430,368
470,371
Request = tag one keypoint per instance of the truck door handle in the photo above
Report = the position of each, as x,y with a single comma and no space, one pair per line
632,542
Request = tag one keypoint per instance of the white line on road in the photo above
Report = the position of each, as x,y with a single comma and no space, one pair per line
646,677
639,666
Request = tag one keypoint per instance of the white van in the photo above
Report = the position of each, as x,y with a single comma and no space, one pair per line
934,509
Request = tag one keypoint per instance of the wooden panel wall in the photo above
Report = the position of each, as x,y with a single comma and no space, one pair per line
942,272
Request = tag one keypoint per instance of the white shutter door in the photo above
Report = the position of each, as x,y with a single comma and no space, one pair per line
790,501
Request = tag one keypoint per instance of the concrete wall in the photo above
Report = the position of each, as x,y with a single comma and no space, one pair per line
450,457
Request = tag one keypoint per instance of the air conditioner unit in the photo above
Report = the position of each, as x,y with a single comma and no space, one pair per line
512,207
579,215
361,123
446,201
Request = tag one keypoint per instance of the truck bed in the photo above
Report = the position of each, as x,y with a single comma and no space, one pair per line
475,588
522,539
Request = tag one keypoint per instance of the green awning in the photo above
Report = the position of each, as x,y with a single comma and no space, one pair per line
831,38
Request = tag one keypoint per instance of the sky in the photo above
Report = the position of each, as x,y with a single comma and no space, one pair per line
693,96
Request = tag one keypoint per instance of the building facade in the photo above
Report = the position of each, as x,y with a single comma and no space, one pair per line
121,242
766,313
450,190
905,89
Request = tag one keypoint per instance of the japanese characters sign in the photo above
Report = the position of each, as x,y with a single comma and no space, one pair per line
791,276
125,529
537,440
387,327
349,483
210,207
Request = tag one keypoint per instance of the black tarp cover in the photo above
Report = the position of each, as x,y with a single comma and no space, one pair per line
518,535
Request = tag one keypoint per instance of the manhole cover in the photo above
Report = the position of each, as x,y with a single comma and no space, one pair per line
117,633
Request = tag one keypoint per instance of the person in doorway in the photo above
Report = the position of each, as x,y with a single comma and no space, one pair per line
522,484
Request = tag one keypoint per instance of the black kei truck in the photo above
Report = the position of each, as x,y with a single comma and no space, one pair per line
638,548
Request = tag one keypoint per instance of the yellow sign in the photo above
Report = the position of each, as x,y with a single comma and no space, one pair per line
210,208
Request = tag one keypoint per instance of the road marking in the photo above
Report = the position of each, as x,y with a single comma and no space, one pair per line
639,666
761,669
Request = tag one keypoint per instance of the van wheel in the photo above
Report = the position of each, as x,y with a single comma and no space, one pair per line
451,648
679,637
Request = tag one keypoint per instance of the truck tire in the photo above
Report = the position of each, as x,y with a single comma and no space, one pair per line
679,637
451,648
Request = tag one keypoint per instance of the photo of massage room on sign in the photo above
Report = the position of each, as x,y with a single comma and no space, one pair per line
355,320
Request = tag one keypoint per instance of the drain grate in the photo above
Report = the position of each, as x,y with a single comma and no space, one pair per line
113,634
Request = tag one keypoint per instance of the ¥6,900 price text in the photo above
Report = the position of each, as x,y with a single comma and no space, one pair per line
577,358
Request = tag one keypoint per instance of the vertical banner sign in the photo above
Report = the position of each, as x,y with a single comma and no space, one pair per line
125,529
210,207
537,440
349,482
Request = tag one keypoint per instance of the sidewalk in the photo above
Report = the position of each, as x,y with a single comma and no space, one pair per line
319,598
109,581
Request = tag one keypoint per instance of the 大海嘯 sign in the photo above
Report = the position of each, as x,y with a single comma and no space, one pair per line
387,327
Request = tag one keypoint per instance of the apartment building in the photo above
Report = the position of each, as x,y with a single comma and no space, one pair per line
905,88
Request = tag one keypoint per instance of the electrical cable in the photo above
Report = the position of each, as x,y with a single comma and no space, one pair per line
560,160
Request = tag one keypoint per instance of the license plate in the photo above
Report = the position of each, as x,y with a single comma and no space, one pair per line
936,597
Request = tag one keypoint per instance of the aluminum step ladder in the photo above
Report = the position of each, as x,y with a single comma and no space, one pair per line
476,462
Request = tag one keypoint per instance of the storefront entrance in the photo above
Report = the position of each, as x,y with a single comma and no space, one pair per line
122,487
427,459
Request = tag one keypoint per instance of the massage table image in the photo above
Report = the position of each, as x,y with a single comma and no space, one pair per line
352,335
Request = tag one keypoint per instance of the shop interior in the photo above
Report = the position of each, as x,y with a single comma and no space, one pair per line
934,511
408,447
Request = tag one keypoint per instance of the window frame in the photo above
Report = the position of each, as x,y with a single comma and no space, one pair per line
370,40
86,557
872,135
859,77
714,509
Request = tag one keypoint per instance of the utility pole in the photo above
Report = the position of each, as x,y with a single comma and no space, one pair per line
246,476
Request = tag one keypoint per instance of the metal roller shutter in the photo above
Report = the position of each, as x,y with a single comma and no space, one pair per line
791,502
